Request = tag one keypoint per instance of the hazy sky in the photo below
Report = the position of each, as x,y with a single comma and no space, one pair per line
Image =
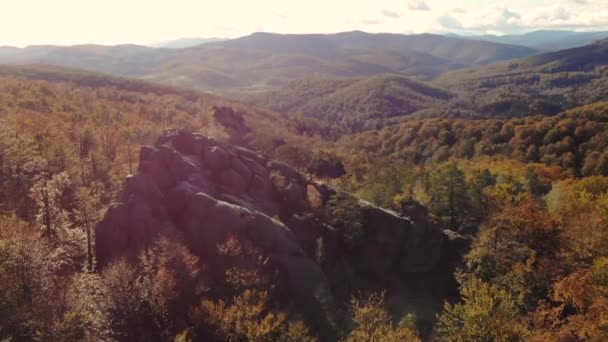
26,22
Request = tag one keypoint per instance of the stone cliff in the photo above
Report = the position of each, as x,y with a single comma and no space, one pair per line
206,190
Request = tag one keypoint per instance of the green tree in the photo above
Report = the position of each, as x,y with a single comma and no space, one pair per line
344,214
477,184
449,198
326,165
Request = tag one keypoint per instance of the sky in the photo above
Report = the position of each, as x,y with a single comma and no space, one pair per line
68,22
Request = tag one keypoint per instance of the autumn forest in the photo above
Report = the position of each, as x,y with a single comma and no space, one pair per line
305,188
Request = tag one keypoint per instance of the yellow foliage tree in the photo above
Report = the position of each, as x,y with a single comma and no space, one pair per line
486,313
373,323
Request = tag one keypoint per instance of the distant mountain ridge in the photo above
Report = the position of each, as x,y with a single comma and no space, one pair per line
457,50
181,43
592,59
548,40
265,61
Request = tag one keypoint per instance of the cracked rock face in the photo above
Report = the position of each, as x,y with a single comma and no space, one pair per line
206,190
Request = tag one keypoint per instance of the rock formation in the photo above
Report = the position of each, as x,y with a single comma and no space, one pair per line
206,190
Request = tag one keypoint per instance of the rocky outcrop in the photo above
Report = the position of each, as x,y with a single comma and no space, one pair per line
206,190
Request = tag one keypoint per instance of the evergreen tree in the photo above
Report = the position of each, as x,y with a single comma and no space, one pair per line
449,197
480,181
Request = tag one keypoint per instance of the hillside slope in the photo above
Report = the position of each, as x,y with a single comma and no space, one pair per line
575,140
354,105
542,84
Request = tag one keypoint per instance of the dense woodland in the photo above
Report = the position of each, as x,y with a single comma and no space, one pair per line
574,141
66,146
331,108
529,192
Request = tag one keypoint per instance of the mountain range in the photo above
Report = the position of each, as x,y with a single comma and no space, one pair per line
354,81
546,40
264,61
546,84
181,43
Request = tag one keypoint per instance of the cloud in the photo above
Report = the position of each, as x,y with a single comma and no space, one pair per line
489,18
569,14
572,14
449,22
417,5
390,14
561,14
22,26
370,22
281,16
498,18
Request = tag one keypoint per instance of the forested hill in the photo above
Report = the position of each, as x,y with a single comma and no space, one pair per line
125,90
263,61
83,78
333,107
574,141
544,84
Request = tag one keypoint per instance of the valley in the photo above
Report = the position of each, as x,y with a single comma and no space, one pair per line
306,187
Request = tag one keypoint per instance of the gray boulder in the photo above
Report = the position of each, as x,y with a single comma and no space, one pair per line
216,158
